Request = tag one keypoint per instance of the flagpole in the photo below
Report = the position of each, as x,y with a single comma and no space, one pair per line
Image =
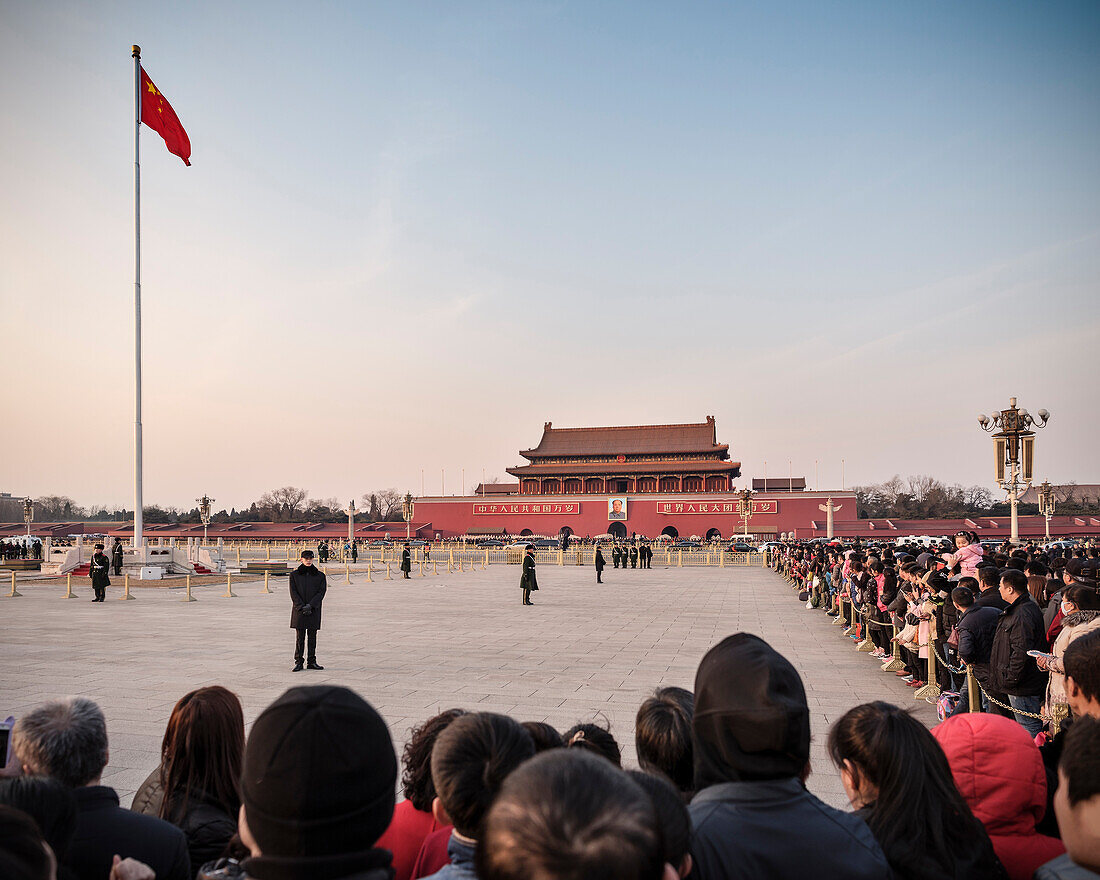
139,541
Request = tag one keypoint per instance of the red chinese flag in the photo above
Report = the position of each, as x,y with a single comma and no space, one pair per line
158,114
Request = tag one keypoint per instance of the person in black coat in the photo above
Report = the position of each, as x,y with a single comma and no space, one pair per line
527,579
1019,630
406,562
599,565
116,556
100,571
307,591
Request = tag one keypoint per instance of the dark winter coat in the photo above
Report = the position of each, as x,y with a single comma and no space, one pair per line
1019,630
527,580
599,560
100,569
116,554
207,826
976,627
406,560
990,598
307,589
104,829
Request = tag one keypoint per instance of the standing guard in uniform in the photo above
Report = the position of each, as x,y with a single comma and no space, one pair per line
599,565
354,552
633,555
100,571
116,556
307,591
406,562
647,555
615,554
527,579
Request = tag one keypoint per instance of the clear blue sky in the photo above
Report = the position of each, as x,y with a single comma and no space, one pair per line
844,229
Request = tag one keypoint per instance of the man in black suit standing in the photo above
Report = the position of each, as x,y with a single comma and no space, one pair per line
599,565
307,591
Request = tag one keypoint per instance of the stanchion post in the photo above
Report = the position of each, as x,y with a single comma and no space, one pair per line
370,580
14,592
436,565
69,594
125,587
866,646
238,557
895,663
930,689
851,627
972,695
679,558
485,564
839,619
421,568
267,579
229,594
188,597
389,576
347,573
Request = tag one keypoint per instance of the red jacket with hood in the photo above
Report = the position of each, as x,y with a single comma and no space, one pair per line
999,771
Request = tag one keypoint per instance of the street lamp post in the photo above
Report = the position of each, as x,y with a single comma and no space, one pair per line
204,513
407,514
28,514
744,507
1047,502
1014,452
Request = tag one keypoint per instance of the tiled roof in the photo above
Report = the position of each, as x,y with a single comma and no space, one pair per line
497,489
627,440
629,468
1077,493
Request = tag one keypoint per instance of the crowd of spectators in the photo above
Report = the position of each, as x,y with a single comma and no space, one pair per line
720,792
20,548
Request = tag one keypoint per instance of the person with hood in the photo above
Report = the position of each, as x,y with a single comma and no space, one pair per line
600,564
527,579
307,591
317,788
999,771
752,815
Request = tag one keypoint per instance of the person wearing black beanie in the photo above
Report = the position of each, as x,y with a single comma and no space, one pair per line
317,786
752,815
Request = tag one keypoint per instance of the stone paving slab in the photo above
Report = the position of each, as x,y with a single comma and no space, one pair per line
412,648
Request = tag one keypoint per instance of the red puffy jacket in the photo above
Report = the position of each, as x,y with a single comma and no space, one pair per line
999,771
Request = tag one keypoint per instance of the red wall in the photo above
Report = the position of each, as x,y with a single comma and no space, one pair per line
587,514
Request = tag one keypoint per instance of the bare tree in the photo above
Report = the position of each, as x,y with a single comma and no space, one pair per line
284,503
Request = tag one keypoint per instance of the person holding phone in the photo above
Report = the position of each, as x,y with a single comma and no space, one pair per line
1081,615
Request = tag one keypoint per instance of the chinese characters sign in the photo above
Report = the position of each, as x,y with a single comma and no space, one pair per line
568,509
715,507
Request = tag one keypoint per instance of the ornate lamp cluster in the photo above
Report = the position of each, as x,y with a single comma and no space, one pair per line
1014,451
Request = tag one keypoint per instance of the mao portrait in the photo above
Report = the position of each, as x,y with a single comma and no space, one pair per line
616,508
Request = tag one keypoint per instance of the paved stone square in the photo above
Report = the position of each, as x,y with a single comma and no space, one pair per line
412,648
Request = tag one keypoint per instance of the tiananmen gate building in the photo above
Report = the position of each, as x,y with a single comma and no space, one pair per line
648,480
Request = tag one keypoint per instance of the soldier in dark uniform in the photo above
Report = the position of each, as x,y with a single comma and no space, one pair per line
633,556
646,553
406,562
527,579
307,591
100,571
116,556
615,554
354,552
599,565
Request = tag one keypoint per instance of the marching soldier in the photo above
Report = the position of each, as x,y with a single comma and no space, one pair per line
406,562
527,579
599,565
100,571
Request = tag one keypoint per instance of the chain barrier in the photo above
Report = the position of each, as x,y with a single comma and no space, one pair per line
958,670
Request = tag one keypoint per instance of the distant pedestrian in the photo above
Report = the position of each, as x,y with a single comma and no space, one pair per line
100,571
116,556
527,579
406,562
354,552
599,565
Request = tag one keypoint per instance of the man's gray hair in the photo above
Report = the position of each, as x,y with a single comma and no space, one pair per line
66,740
